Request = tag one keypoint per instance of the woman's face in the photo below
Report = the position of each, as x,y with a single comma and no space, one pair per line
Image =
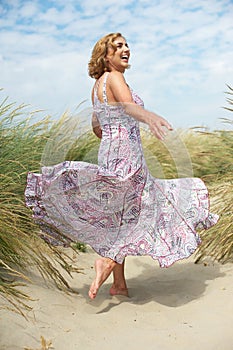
118,60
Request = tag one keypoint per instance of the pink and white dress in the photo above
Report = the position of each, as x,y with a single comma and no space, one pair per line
117,207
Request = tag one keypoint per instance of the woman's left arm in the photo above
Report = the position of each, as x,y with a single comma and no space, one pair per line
96,126
94,121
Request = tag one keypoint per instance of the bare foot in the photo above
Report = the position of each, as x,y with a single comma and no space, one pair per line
114,290
103,268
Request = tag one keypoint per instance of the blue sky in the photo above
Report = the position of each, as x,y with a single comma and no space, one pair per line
181,54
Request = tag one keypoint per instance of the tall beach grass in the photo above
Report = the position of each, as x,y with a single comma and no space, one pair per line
218,241
21,145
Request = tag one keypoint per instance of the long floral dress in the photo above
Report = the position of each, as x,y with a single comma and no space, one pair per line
117,207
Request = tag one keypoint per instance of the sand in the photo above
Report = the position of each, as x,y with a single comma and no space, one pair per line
187,307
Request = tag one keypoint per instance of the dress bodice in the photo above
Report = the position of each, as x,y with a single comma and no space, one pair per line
108,114
120,150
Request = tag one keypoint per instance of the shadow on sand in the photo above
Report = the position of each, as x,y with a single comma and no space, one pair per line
173,287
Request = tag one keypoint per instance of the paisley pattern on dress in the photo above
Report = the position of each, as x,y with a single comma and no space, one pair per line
117,207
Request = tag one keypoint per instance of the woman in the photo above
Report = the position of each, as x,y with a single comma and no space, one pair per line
117,207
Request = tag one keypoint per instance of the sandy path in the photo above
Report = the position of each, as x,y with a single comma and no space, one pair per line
185,307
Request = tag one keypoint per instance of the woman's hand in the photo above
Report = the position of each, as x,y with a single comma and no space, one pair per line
158,125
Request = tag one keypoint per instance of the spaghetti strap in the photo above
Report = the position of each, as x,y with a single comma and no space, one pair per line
105,99
96,86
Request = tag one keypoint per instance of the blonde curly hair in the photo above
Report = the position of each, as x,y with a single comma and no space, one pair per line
97,65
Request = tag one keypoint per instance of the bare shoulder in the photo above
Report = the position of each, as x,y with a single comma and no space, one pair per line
117,88
116,77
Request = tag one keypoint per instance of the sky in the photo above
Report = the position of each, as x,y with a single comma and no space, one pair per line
181,54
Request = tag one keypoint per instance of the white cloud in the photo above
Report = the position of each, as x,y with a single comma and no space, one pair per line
28,9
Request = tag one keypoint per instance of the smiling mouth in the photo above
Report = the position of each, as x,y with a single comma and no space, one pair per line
125,58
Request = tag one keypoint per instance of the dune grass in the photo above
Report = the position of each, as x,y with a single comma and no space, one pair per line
25,144
218,241
21,145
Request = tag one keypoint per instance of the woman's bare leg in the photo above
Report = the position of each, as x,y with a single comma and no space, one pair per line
103,268
119,286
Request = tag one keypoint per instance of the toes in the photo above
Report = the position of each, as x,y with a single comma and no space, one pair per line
92,293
